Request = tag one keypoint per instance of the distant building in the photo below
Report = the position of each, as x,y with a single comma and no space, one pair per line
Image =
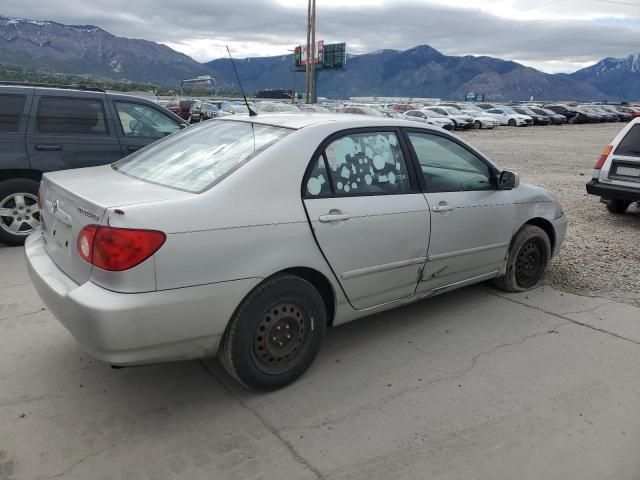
275,94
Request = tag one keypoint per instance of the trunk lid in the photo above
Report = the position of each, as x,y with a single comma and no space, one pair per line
623,165
72,199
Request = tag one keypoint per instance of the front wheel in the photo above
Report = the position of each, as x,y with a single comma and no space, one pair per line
512,123
19,212
477,124
618,206
529,256
275,334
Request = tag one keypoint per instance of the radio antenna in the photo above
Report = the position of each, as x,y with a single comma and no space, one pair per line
251,112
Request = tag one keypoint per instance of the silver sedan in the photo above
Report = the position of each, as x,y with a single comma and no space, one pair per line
248,237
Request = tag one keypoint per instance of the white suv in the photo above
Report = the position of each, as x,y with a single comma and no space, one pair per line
616,174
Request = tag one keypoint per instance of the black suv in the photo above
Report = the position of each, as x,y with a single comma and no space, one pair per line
44,129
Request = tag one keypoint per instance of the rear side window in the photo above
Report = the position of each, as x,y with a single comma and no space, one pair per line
366,164
138,120
196,158
630,144
71,116
11,107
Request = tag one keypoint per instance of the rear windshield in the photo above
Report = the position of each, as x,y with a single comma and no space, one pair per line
630,145
198,157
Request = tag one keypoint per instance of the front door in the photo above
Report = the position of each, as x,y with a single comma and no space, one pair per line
471,220
70,132
139,125
368,217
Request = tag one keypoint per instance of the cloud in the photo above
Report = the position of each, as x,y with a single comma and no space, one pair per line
555,36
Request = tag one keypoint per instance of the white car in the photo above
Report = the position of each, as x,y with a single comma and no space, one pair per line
462,121
430,118
480,120
616,174
509,117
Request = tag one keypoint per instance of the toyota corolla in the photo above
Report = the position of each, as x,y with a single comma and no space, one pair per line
247,237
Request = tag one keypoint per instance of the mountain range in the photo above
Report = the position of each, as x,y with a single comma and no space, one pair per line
417,72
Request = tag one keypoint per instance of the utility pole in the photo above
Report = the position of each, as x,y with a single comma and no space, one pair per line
313,51
310,69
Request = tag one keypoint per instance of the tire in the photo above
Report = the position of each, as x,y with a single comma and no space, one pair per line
512,123
477,125
19,212
284,309
618,206
529,256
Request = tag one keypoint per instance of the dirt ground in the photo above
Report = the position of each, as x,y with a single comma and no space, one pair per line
601,255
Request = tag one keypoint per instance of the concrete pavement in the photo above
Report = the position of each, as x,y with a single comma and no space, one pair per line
471,385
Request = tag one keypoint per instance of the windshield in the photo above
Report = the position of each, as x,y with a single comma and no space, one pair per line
199,156
452,110
509,110
432,114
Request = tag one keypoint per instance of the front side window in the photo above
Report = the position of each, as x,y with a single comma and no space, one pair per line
71,116
200,156
11,107
367,164
138,120
448,167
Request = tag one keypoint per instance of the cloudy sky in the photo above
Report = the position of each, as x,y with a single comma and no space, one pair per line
553,35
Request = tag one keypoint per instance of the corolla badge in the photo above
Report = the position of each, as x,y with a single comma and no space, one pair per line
87,213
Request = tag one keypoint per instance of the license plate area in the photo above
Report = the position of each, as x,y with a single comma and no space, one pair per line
59,235
629,172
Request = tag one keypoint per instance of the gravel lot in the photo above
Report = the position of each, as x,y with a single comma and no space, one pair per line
601,255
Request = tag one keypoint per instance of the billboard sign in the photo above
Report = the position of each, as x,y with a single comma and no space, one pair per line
300,55
327,57
474,97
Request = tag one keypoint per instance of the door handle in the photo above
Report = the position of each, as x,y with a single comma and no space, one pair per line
47,147
443,207
334,217
133,148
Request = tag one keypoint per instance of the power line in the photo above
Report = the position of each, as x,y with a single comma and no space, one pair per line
616,2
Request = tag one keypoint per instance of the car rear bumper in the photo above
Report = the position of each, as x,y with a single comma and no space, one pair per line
136,328
613,192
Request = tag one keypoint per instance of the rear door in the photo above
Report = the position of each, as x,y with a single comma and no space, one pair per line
471,220
139,124
623,166
368,216
70,130
14,109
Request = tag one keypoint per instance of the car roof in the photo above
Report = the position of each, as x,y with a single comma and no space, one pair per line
341,120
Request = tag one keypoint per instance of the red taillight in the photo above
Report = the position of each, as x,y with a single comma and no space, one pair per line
117,249
603,157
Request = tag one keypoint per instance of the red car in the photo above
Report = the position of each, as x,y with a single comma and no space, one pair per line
180,107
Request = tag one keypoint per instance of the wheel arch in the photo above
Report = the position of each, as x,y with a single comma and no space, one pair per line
321,283
27,173
547,226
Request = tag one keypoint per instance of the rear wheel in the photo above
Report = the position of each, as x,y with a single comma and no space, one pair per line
512,123
618,206
275,333
19,212
529,256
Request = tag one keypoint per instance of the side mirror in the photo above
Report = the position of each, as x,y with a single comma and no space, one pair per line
183,126
508,180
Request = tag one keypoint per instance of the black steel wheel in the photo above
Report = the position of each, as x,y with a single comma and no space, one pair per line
531,263
529,256
275,334
281,338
